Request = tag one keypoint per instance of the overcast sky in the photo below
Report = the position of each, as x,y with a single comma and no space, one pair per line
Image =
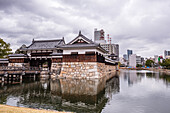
140,25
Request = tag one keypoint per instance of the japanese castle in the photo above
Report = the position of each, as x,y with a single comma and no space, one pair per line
80,58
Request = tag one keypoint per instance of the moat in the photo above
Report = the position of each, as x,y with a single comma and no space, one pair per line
128,91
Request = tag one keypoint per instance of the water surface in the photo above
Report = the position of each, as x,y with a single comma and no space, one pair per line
127,92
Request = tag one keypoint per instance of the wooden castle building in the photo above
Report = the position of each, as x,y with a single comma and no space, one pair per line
80,58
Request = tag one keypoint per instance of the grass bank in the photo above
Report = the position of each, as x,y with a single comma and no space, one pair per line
11,109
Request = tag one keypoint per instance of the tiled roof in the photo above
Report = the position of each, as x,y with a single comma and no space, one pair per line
46,44
82,36
3,59
83,46
79,45
56,54
90,44
17,55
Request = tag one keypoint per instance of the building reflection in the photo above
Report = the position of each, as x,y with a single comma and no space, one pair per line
132,77
85,95
62,94
112,87
137,76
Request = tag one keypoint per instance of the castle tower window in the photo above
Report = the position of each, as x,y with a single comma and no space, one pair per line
74,53
90,53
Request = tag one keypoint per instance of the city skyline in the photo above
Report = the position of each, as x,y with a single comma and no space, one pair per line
142,26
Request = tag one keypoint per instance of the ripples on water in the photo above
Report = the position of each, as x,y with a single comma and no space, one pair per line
127,92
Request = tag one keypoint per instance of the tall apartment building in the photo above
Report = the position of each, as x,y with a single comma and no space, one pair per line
99,36
108,47
134,60
125,57
113,49
138,60
167,54
142,61
129,52
116,49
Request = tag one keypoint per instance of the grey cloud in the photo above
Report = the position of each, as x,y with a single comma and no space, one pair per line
8,5
141,25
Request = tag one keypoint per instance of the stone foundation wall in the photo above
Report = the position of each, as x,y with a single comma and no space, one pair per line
85,70
79,69
110,68
18,64
56,69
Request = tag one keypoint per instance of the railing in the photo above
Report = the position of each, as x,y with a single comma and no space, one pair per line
11,68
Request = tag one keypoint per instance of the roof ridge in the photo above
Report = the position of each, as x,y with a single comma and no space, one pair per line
47,40
81,35
87,39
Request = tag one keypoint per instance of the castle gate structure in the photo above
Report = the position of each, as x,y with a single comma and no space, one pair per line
80,58
41,53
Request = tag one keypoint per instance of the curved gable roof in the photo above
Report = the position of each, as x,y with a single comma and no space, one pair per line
82,37
88,43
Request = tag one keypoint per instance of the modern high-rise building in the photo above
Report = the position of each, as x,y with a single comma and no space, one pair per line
167,54
129,52
107,47
113,49
99,36
142,61
134,60
125,57
116,49
138,60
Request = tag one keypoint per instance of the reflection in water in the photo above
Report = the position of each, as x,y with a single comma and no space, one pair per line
128,92
140,92
136,76
132,77
112,87
160,76
155,75
61,94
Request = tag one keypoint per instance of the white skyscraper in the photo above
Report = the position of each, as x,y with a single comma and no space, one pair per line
132,60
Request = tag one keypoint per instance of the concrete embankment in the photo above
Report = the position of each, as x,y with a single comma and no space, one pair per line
12,109
164,71
134,68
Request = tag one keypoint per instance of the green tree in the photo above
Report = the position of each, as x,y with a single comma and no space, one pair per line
5,49
166,63
139,65
149,63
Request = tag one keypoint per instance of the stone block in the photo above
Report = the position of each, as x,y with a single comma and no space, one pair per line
73,65
87,67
